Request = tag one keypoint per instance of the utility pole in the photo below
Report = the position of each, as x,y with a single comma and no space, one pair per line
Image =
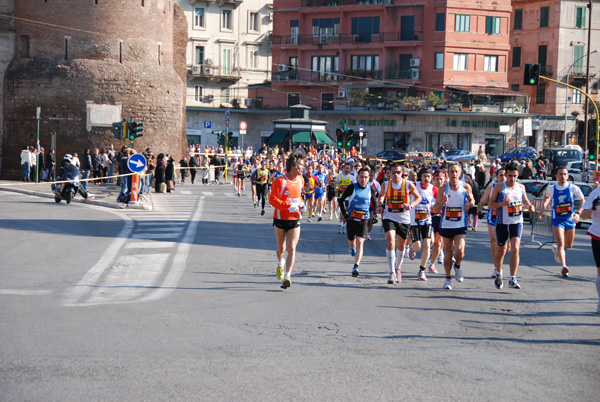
587,77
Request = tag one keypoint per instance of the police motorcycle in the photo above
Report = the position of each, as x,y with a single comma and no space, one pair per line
69,174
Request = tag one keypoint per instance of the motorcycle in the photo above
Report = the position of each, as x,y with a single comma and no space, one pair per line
67,191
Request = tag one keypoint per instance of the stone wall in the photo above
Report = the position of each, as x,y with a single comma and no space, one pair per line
7,51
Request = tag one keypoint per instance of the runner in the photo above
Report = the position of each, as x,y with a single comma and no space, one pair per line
456,199
564,220
509,199
396,218
331,198
592,210
377,189
261,176
492,217
286,199
420,220
344,179
439,181
360,197
253,170
321,179
309,191
240,172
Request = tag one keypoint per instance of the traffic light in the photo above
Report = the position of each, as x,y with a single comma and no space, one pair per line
532,74
592,150
340,137
229,139
118,130
134,130
349,137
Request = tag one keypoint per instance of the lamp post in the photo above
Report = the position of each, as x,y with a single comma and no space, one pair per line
564,139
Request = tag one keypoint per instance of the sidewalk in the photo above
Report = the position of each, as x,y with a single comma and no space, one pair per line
105,195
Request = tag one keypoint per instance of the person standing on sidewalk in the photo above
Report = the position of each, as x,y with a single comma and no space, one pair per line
564,217
86,167
25,162
286,199
591,209
509,198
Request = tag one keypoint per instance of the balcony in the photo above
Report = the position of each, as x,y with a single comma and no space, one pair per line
346,38
215,72
337,3
218,2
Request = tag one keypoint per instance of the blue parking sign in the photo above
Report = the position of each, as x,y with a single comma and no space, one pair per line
207,124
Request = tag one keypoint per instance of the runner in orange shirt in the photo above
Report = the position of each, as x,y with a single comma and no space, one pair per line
286,199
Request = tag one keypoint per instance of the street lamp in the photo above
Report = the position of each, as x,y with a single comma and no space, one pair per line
564,140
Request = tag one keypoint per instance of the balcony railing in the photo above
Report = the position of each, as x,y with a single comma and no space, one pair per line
348,75
384,37
337,3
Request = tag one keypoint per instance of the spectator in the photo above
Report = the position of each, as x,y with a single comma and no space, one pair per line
41,164
170,174
123,169
96,166
105,164
183,164
50,163
159,172
112,158
32,164
193,165
86,167
25,162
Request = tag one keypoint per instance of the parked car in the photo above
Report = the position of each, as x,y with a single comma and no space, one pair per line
520,153
559,157
459,155
574,168
532,188
586,189
391,155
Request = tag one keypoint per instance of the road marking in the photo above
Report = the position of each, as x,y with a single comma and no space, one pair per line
209,193
155,235
25,292
185,192
149,244
161,224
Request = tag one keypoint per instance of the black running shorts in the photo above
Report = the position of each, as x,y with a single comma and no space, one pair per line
418,233
400,228
356,228
286,224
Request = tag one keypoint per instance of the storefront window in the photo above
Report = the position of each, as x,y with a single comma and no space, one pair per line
396,141
494,145
448,140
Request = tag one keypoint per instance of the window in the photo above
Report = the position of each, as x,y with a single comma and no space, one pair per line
293,68
294,31
363,28
252,58
490,63
404,63
462,23
516,56
544,17
198,93
226,20
327,100
253,22
515,87
226,62
199,18
324,66
460,62
326,26
576,97
225,95
407,28
293,99
578,59
440,22
540,94
365,62
580,17
518,24
439,61
492,25
199,56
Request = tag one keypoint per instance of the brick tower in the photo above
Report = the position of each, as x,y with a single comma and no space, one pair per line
70,54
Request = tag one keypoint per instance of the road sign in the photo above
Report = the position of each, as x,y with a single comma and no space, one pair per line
242,132
361,130
243,125
227,123
226,114
136,163
207,124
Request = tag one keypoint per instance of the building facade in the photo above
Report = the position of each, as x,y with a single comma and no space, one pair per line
554,33
7,51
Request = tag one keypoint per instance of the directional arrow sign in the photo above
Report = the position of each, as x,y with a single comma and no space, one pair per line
136,163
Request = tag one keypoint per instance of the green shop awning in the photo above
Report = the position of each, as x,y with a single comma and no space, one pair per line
322,138
302,137
277,137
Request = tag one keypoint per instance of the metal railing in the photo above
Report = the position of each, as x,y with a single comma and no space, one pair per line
344,38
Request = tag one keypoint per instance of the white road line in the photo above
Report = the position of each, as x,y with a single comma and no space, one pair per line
149,244
155,235
209,193
161,224
25,292
185,192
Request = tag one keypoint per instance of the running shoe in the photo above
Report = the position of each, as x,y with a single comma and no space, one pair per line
320,219
352,251
422,276
255,205
398,275
336,215
453,260
512,283
279,272
498,282
406,251
412,254
392,278
368,237
448,284
330,216
262,212
441,257
458,274
554,250
432,268
355,272
286,283
308,220
344,229
239,195
340,229
494,273
565,272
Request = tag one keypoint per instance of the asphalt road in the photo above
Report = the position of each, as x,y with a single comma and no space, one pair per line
181,303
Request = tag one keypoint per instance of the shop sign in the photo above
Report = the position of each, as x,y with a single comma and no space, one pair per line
372,123
473,123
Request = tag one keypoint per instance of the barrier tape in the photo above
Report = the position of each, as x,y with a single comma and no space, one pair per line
68,181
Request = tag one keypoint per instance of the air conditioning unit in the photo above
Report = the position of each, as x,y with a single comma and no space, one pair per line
208,71
283,78
415,62
282,67
325,40
341,94
333,77
248,102
211,98
208,62
197,70
415,74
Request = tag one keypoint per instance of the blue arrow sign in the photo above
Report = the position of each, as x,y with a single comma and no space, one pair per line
136,163
361,129
226,114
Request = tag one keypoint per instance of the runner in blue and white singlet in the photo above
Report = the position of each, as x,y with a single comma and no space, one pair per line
492,216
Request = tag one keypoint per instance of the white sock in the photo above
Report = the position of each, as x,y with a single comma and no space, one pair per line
391,258
598,287
399,259
282,262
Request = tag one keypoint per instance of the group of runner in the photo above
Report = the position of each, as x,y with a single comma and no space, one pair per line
422,210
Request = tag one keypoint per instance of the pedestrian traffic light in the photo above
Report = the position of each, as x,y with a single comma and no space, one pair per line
532,74
349,137
118,130
340,137
592,150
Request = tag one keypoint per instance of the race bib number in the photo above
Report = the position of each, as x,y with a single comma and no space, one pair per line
395,206
453,214
564,209
361,215
515,209
421,214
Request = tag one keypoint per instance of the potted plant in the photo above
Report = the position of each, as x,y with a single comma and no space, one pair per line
435,101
